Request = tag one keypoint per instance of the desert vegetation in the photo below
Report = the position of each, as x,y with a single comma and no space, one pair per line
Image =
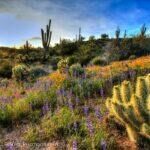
79,94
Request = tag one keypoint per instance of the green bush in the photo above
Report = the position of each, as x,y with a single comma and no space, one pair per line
5,69
83,88
4,82
54,126
20,72
6,114
132,57
72,60
37,72
76,70
98,61
54,61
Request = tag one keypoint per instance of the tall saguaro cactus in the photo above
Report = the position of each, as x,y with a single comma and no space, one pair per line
131,108
46,36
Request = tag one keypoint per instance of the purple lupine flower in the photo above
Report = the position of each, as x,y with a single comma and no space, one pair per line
10,146
132,74
86,110
70,105
45,108
98,114
69,94
74,145
102,93
62,92
103,145
90,126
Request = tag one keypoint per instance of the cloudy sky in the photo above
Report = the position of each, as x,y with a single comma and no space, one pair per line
21,20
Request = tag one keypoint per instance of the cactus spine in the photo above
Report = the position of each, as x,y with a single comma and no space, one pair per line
46,36
132,108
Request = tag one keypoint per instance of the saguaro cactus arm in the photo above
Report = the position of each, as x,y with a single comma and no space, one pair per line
46,36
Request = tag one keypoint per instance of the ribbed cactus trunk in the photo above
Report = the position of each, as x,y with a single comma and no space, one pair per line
132,108
46,38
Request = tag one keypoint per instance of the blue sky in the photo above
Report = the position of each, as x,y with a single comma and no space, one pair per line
21,20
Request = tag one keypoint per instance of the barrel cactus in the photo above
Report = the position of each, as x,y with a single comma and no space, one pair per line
131,107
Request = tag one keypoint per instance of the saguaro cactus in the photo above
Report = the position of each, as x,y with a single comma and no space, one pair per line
131,108
46,36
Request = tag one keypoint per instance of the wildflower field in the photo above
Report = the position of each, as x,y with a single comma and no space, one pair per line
71,111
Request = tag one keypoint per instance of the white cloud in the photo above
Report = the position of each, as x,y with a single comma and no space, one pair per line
67,18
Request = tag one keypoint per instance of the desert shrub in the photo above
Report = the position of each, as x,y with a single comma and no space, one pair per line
63,65
28,108
66,47
34,116
21,109
72,60
4,82
31,135
20,72
76,70
5,69
54,126
19,58
134,117
38,99
6,113
54,61
132,57
98,61
37,72
86,140
83,88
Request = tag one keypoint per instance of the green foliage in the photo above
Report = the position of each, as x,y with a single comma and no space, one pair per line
20,72
20,58
76,70
131,108
98,61
83,88
5,69
54,61
28,107
21,109
104,36
88,50
31,135
36,72
132,57
66,47
54,126
34,116
6,115
4,82
72,60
